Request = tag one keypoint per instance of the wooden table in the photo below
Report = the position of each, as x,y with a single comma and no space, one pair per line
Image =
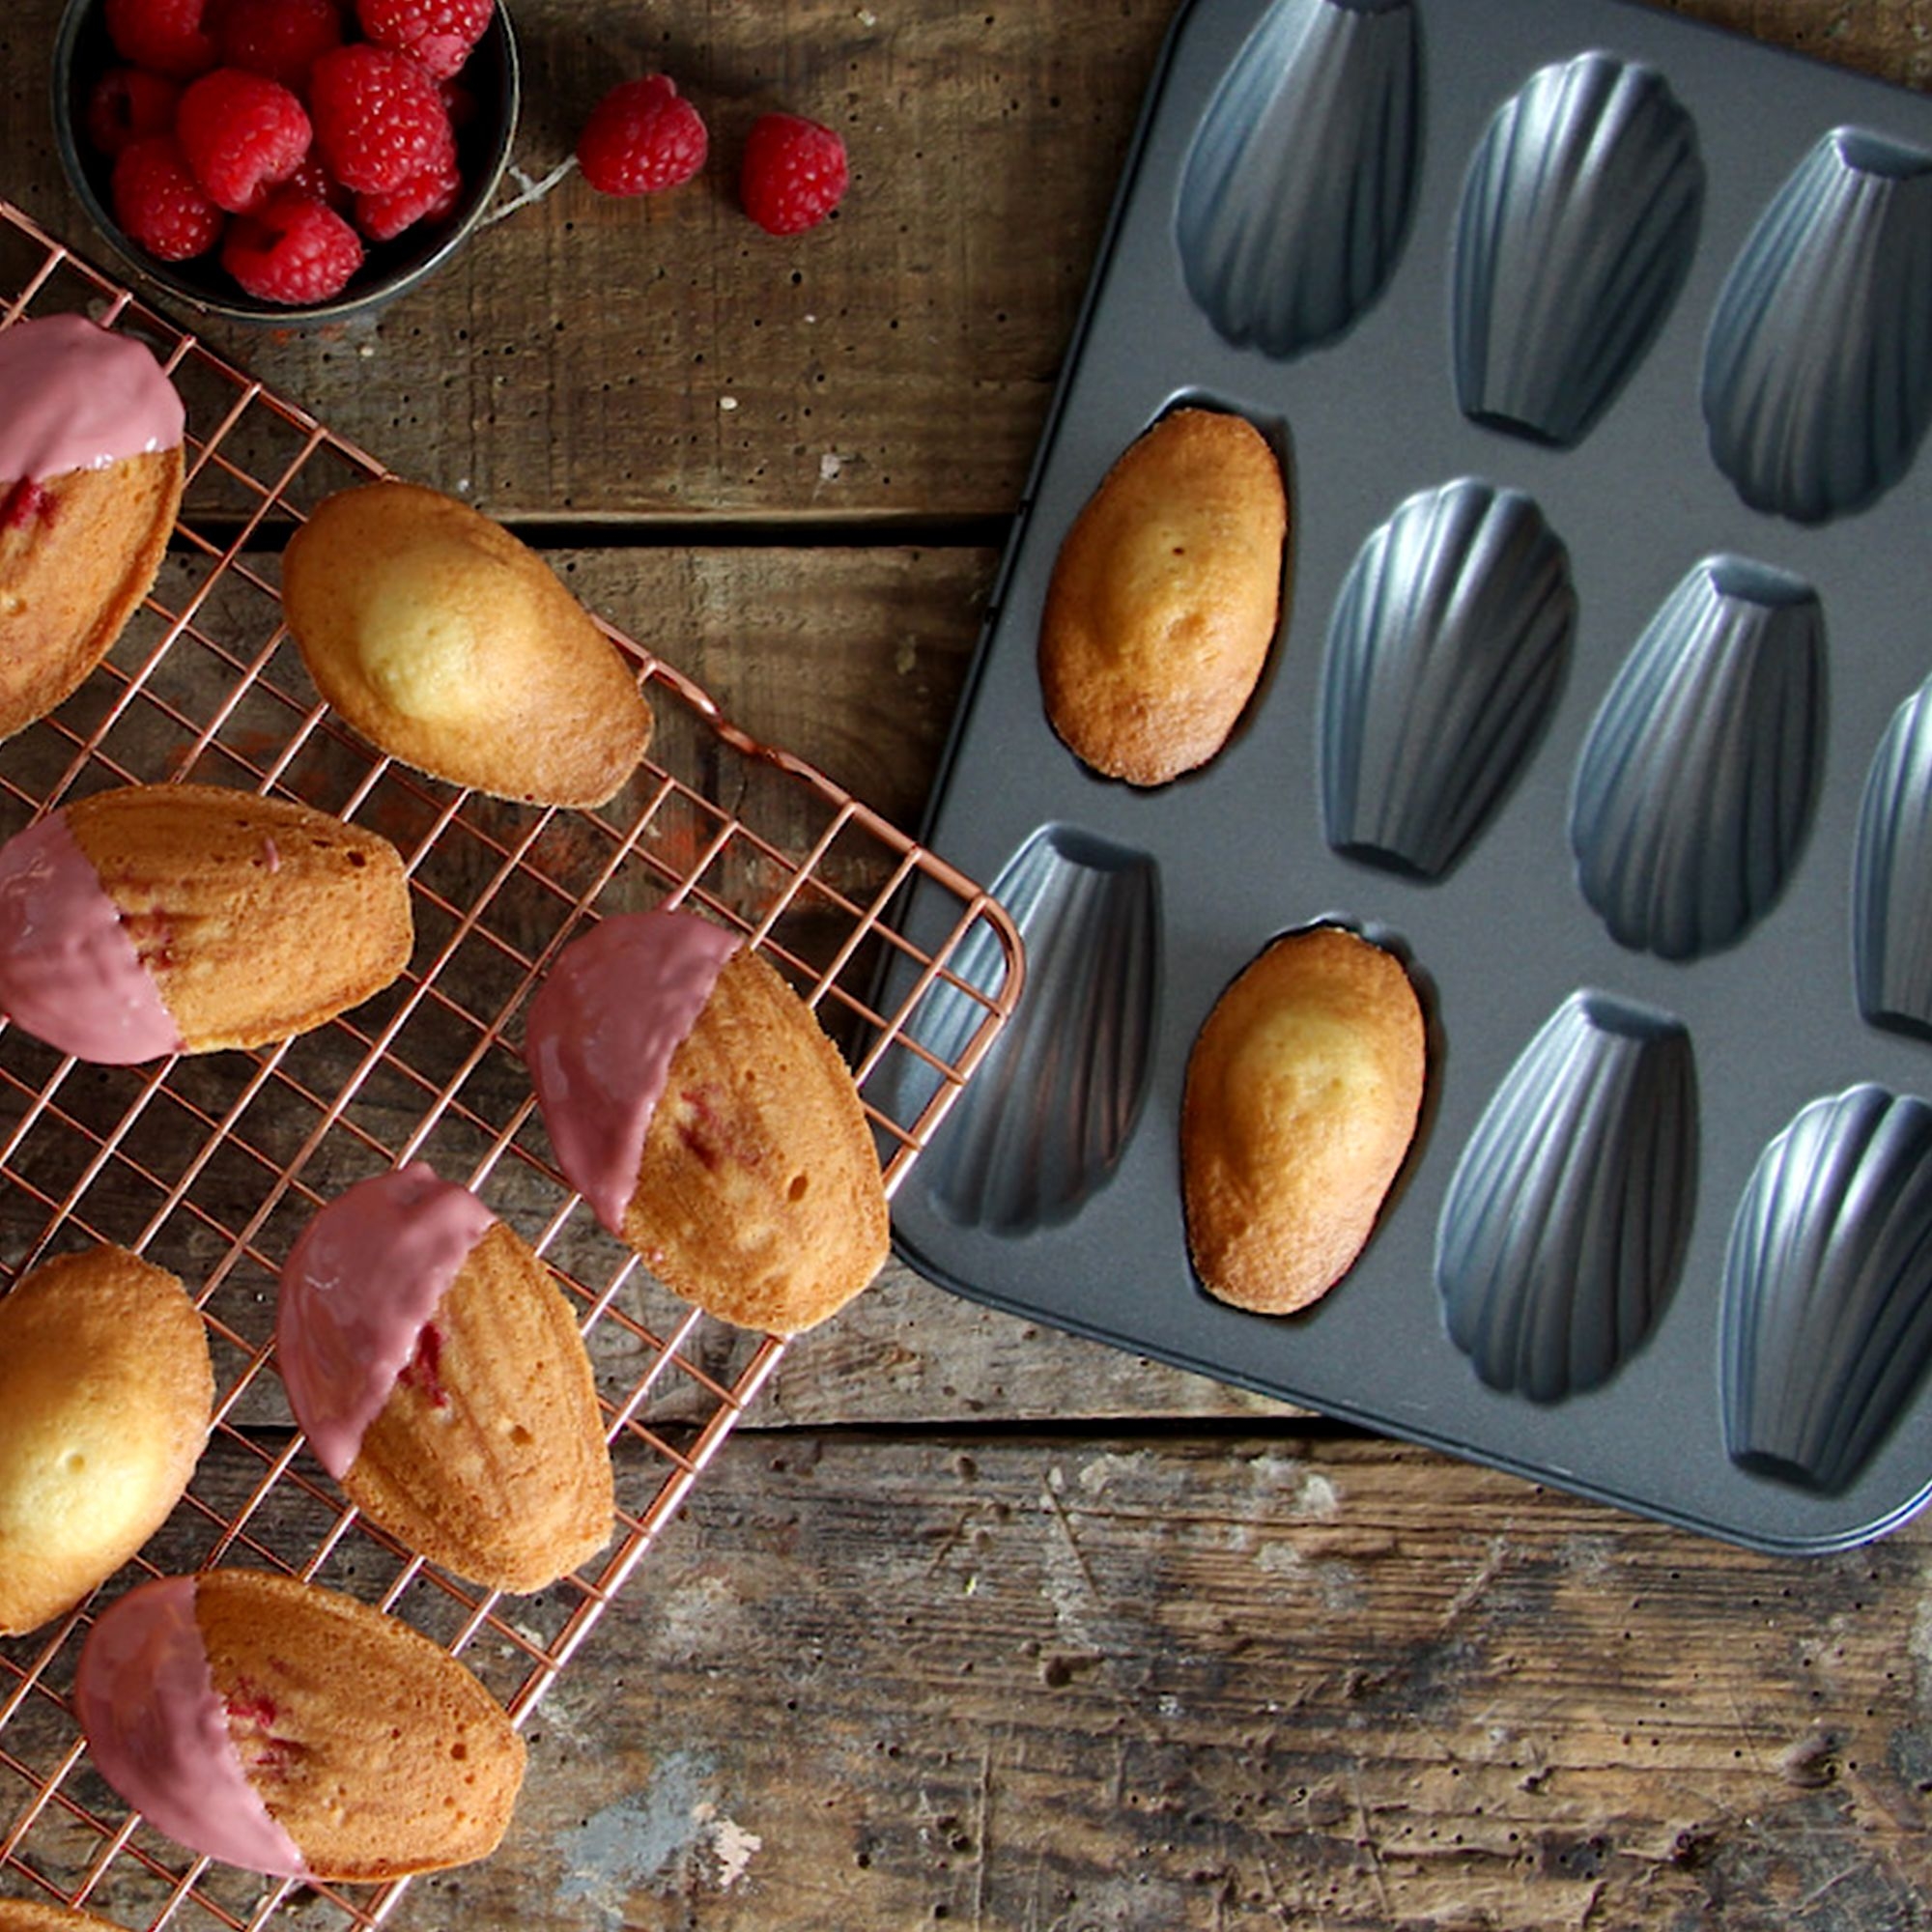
971,1623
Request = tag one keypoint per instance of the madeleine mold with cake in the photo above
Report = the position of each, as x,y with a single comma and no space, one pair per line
1594,347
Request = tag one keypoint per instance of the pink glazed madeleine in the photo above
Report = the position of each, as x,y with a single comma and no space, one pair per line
91,479
694,1101
152,920
440,1376
291,1730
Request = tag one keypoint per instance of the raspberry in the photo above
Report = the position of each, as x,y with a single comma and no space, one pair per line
314,180
381,217
641,137
380,119
159,202
794,173
170,37
294,249
128,105
279,38
439,33
242,133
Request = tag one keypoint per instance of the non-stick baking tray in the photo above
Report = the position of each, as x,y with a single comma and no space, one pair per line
1597,349
212,1166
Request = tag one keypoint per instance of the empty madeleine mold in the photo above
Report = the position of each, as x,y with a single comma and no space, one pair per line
1446,649
1828,1287
1063,1087
1817,377
1891,891
1577,226
1596,346
1565,1224
1700,774
1297,196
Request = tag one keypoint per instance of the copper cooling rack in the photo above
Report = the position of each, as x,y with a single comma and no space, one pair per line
211,1167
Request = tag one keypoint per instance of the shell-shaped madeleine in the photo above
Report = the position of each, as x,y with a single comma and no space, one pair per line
1051,1110
1891,891
453,647
170,919
1817,382
290,1730
439,1374
1565,1223
1577,226
1298,186
1826,1322
1447,650
105,1389
1698,780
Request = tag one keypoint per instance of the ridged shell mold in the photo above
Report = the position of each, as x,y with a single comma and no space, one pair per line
1565,1223
1817,380
1447,650
1051,1108
1698,778
1296,199
1892,892
1577,226
1827,1323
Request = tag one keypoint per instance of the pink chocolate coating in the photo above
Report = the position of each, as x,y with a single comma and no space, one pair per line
361,1283
602,1029
76,396
68,973
156,1725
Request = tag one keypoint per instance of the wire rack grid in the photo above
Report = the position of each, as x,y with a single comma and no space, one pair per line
210,1166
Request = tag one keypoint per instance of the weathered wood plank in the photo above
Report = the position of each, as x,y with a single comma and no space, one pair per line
1242,1679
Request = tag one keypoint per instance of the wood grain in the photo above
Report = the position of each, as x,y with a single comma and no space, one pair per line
973,1623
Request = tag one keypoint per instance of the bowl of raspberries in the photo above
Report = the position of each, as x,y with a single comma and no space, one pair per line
285,160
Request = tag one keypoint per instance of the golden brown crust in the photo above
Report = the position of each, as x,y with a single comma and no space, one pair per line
77,553
454,647
1164,598
376,1751
759,1192
18,1916
1302,1094
105,1392
489,1455
258,918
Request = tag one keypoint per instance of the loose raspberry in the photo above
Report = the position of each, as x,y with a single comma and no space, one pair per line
169,36
381,217
279,38
380,119
644,135
242,133
794,173
440,33
293,250
159,204
128,105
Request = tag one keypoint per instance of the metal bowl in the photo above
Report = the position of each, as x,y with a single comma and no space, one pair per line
82,52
